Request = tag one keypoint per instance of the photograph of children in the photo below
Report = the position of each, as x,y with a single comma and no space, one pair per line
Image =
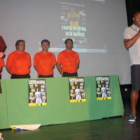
37,92
76,90
103,88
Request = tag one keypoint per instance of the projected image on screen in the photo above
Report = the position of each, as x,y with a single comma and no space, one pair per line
73,19
96,27
78,22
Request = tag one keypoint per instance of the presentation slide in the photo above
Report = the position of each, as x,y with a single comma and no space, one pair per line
96,27
75,19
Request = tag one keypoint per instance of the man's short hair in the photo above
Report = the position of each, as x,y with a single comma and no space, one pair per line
19,41
69,39
45,40
136,12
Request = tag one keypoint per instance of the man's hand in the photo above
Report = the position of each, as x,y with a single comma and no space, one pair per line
1,54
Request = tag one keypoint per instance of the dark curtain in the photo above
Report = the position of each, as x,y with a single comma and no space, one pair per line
131,7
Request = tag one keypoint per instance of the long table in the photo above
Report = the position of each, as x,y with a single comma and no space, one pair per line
14,107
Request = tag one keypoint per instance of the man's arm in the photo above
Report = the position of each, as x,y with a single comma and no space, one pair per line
1,54
35,68
128,43
53,66
54,62
77,66
8,69
58,65
1,69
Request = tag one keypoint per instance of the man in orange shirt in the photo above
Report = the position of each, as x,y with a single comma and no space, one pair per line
44,61
19,62
1,66
68,60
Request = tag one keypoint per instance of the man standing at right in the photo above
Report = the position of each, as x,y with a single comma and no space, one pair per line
68,60
132,43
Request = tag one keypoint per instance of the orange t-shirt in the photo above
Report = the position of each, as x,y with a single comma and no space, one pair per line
68,60
1,64
44,63
19,63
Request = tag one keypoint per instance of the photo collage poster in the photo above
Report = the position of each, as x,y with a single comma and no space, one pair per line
37,92
103,87
76,90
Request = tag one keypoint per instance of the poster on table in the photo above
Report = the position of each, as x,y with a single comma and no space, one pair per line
37,92
103,87
76,90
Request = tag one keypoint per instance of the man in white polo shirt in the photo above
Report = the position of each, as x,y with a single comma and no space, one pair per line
132,43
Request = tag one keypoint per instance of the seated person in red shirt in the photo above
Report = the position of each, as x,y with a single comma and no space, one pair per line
19,62
68,60
44,61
